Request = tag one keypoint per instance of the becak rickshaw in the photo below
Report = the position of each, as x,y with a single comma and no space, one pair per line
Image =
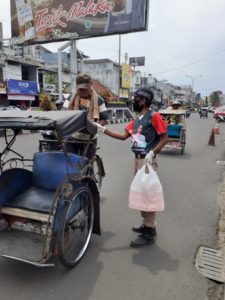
176,129
203,112
49,203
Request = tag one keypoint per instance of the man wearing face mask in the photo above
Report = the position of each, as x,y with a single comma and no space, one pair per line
148,136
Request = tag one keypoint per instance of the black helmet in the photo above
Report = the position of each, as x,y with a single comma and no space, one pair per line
146,93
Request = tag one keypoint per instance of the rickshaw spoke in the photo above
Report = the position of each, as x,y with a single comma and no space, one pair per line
75,229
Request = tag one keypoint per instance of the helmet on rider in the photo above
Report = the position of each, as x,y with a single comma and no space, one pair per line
145,93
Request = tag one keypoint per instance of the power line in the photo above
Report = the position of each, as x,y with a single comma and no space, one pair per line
191,63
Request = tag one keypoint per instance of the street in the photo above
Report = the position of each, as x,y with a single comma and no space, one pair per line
111,269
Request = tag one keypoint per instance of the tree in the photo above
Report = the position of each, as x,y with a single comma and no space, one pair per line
215,99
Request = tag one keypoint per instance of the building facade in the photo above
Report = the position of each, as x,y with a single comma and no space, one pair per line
105,71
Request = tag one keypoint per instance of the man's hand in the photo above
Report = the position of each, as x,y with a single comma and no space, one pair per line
149,157
100,127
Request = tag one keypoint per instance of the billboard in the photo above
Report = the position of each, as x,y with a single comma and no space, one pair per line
21,87
137,61
43,21
126,76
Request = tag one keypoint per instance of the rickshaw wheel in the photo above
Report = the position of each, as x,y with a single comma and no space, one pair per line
183,141
75,228
97,172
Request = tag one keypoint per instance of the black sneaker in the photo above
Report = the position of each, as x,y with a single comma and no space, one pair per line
143,240
141,229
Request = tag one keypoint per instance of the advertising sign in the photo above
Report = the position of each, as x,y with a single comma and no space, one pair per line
21,87
124,93
137,61
43,21
3,87
126,76
49,88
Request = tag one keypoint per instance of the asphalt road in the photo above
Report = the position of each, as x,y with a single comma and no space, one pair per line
111,269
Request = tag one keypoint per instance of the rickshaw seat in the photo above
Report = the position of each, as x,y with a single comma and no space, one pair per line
50,168
34,199
173,130
14,182
36,190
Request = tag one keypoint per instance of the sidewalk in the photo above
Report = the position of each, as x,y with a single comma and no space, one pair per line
216,290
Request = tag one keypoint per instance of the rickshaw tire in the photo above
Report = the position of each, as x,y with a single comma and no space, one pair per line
64,260
101,172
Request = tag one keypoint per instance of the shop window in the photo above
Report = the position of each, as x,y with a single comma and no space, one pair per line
25,73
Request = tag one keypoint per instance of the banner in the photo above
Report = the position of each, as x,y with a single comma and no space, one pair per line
124,93
3,87
43,21
126,76
21,87
49,88
137,61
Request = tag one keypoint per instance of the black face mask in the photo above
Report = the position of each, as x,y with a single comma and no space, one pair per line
137,107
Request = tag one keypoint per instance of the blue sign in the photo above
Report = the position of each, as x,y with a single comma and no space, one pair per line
22,87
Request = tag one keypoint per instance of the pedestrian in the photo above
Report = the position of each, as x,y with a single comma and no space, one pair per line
86,99
148,136
46,104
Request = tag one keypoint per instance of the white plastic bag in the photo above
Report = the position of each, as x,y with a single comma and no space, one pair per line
146,192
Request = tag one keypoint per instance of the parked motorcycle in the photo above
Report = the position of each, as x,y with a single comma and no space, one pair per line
219,113
220,118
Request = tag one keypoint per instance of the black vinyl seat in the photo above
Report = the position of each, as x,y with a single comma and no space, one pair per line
34,199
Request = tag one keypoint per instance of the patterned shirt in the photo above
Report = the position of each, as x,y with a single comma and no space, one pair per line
145,132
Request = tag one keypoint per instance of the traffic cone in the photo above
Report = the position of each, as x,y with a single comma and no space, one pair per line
216,129
212,138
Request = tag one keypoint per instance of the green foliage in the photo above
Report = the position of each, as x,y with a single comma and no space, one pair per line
214,98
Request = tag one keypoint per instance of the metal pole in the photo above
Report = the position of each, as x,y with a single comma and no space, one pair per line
73,57
1,37
60,68
192,84
60,74
119,68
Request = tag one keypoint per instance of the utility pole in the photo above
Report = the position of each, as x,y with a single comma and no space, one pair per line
1,37
60,68
73,62
119,67
192,84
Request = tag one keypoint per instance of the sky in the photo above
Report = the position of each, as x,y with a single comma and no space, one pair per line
184,43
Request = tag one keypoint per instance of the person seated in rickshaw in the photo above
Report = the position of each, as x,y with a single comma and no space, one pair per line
176,105
87,99
176,119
